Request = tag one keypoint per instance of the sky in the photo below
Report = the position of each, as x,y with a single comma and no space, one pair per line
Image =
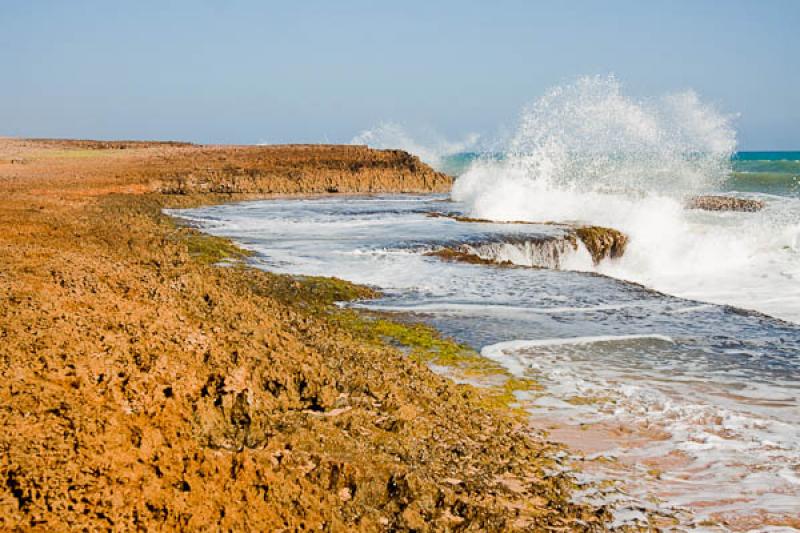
322,71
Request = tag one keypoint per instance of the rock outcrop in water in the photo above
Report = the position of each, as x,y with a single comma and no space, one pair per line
536,251
724,203
602,243
143,388
467,254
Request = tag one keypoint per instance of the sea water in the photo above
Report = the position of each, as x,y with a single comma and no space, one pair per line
674,368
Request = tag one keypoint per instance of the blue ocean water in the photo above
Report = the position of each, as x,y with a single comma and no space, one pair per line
767,172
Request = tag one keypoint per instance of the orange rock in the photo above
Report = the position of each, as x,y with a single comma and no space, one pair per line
143,388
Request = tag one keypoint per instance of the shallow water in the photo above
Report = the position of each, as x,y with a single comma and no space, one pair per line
696,404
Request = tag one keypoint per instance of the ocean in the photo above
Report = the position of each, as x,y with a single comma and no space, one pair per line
674,369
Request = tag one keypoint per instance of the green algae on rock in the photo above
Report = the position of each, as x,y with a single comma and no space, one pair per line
417,341
210,249
602,243
462,255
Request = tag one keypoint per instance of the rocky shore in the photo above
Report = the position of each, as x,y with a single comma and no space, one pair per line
143,387
724,203
601,243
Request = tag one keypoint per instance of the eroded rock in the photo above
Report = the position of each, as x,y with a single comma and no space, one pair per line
724,203
536,250
602,243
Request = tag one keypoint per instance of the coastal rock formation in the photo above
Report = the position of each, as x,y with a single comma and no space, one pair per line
466,254
235,172
536,251
529,251
602,243
306,169
724,203
142,387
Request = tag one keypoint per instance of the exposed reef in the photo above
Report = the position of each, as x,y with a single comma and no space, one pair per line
466,254
536,250
724,203
602,243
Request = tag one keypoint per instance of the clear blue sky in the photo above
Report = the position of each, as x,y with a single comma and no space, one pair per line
245,71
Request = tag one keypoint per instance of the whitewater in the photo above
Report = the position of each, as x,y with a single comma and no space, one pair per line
673,369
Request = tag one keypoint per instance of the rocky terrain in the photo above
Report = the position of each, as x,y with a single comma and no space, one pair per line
601,243
183,168
143,387
724,203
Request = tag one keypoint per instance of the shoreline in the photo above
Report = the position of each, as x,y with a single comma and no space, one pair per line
151,388
577,432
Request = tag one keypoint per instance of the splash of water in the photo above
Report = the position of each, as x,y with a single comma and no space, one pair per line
429,146
589,136
588,153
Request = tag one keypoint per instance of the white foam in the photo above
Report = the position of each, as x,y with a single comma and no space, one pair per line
557,253
499,349
484,308
739,445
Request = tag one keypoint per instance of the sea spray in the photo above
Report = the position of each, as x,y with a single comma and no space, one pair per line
429,146
590,136
587,153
